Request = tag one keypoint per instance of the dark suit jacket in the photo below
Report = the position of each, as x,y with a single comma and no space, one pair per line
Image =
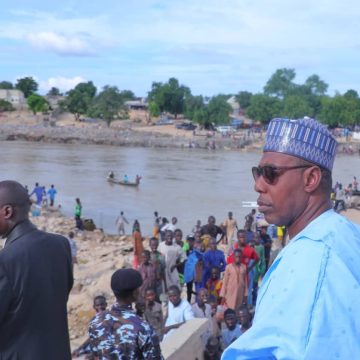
35,280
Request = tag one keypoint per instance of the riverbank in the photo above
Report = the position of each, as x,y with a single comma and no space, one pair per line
135,132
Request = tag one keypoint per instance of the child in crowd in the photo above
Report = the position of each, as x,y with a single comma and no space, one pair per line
179,310
217,315
99,305
202,309
178,234
232,331
212,349
199,266
148,273
234,287
214,284
138,244
158,260
153,312
244,318
193,255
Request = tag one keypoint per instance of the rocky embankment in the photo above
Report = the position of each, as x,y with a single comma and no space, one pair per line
99,255
116,136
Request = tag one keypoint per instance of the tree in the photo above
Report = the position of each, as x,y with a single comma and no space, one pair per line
192,105
27,85
340,110
6,105
280,83
218,110
127,95
108,104
295,107
243,98
54,91
37,103
316,85
201,116
154,109
79,99
169,96
351,94
263,108
6,85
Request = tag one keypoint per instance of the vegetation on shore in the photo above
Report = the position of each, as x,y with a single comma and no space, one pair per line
281,97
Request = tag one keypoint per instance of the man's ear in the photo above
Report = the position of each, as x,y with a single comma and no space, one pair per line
312,178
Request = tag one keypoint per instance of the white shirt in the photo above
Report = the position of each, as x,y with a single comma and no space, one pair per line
178,314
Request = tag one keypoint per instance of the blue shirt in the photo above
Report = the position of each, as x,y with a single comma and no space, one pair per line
189,268
229,336
52,192
211,259
308,305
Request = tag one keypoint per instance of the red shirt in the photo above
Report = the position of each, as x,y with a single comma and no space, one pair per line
249,253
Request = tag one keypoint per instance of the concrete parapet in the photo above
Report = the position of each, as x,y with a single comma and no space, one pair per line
185,342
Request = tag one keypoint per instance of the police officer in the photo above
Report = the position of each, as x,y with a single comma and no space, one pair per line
119,333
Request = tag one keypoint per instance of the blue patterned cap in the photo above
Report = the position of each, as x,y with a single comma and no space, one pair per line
304,138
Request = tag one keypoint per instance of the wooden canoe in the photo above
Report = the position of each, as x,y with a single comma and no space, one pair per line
119,182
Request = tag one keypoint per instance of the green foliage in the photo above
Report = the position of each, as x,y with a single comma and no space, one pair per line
316,85
54,91
218,110
169,96
27,85
108,104
6,105
280,83
263,108
351,94
127,95
154,109
243,98
79,99
6,85
340,110
295,107
193,104
201,116
37,103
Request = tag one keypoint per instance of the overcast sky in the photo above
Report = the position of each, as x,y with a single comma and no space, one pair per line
211,46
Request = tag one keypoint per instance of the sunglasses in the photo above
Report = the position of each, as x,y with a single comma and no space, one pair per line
271,173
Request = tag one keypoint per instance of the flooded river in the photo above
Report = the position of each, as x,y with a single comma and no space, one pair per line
190,184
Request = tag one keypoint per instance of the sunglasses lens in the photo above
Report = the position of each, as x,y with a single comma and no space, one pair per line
256,172
269,174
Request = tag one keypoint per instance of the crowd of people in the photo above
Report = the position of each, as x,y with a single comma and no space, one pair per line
213,273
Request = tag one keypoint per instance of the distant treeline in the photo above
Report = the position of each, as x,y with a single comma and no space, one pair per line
281,97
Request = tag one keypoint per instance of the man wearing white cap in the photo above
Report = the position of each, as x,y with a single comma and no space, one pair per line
308,304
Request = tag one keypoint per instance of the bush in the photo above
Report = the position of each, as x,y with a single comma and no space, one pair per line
6,105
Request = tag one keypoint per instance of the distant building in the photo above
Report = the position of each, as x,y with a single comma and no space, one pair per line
13,96
139,104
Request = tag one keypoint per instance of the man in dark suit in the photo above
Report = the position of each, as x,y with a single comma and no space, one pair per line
35,280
